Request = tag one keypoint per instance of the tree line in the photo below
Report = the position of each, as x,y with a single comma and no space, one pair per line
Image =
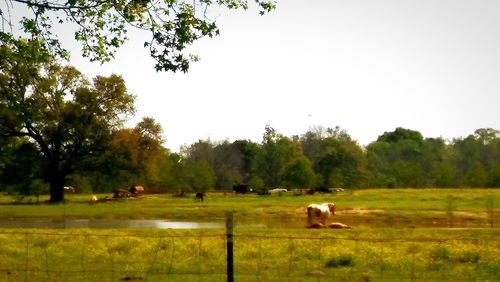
59,128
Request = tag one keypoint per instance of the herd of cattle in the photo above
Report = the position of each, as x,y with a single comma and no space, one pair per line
244,189
132,192
317,214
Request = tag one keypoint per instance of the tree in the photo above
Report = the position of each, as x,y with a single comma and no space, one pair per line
299,173
203,150
228,165
101,26
336,157
201,176
150,151
199,160
134,156
65,116
20,166
477,158
276,157
395,158
174,173
248,151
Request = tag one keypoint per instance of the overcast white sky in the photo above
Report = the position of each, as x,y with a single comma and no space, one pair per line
366,66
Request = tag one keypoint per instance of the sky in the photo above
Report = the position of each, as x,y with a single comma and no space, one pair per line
365,66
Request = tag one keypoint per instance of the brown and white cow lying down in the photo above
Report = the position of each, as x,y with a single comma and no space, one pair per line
319,213
338,225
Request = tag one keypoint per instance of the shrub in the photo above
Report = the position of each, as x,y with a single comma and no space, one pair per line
440,253
468,257
340,261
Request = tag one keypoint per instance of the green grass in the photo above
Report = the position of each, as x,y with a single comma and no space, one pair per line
259,255
394,238
417,207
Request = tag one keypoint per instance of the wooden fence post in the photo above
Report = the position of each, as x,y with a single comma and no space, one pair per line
229,236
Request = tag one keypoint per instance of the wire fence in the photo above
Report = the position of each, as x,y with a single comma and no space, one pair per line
169,255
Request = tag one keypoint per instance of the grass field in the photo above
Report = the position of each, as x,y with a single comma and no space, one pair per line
397,235
370,207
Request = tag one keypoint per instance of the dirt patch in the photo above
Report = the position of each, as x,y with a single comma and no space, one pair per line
360,211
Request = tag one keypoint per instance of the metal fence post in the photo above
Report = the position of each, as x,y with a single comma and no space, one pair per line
229,247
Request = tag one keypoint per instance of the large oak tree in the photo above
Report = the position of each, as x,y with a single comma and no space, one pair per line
67,117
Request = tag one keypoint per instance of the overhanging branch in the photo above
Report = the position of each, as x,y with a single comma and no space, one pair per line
54,6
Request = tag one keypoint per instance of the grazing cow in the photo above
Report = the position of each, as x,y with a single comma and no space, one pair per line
69,189
199,196
278,190
93,199
242,188
319,213
338,225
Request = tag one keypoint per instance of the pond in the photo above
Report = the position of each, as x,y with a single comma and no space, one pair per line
139,223
108,223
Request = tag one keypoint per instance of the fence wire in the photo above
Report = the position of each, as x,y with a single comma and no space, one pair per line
80,256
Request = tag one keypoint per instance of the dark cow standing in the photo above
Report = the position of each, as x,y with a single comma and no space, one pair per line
199,196
241,188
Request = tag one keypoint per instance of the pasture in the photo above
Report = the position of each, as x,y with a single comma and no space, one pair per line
398,234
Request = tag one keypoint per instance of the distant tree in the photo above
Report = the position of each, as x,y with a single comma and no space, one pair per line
277,154
174,173
228,165
395,158
66,117
199,161
445,175
437,169
312,143
20,167
134,156
203,150
7,157
117,166
101,27
227,160
248,151
495,176
150,151
336,157
201,176
477,158
299,173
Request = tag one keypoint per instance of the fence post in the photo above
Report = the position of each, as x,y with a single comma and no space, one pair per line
229,247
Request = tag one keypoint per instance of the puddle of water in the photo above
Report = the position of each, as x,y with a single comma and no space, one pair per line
147,223
106,223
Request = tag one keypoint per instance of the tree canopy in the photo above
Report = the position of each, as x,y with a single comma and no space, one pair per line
318,159
102,26
65,116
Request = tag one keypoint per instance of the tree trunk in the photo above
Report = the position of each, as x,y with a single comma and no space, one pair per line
56,182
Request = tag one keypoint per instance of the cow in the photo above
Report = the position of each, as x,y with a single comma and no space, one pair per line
338,225
69,189
199,196
241,188
136,190
319,213
278,190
